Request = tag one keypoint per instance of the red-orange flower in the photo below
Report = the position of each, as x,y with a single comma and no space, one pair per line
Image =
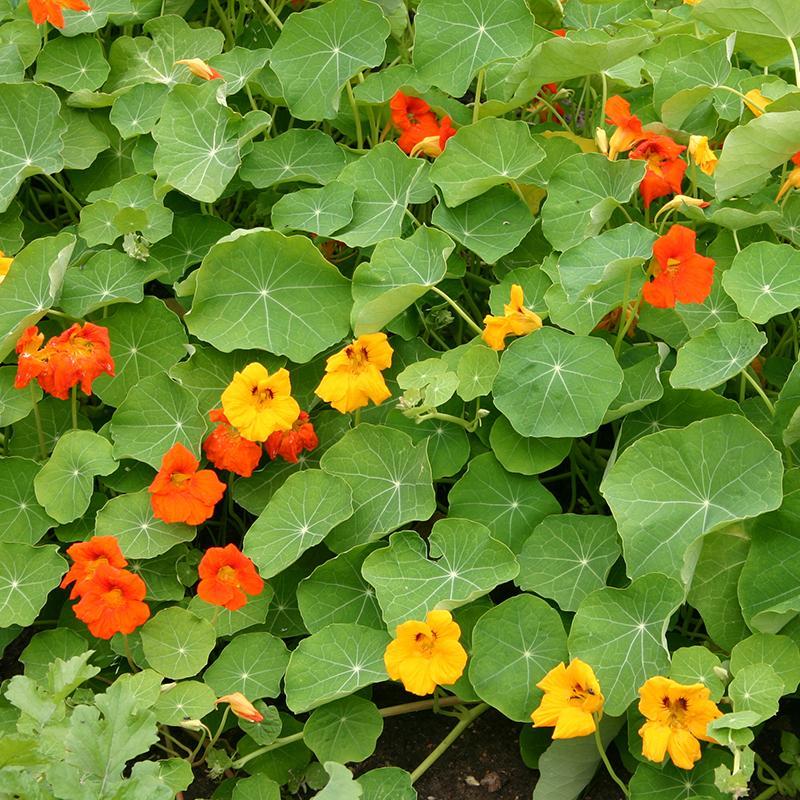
181,493
793,179
87,557
420,129
78,355
112,602
241,706
227,576
289,444
679,274
629,126
225,448
51,10
665,169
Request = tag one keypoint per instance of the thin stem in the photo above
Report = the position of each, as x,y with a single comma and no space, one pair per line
240,762
39,429
795,60
757,386
63,189
466,720
73,406
476,106
604,79
767,793
356,116
216,736
356,417
224,23
467,426
457,308
272,15
128,654
625,298
420,705
604,758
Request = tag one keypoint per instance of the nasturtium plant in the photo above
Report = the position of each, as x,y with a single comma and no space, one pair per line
366,358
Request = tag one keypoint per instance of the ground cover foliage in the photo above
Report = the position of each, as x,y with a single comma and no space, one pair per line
372,317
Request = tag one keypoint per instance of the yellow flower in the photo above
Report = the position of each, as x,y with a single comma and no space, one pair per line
756,102
677,716
241,706
5,265
571,699
702,154
353,375
200,68
792,180
258,404
692,2
517,321
424,654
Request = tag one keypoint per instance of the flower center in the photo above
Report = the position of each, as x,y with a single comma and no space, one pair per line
114,598
227,574
179,478
672,265
676,710
358,356
262,393
426,643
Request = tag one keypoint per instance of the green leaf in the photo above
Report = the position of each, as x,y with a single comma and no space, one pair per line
320,49
184,700
509,505
337,592
514,645
27,575
72,64
399,273
567,557
780,652
176,643
344,730
582,194
333,663
552,383
107,277
390,479
33,285
137,111
489,153
491,225
310,156
226,622
156,414
253,664
320,211
456,38
524,455
130,518
247,295
386,181
716,355
769,18
298,516
387,783
476,370
763,280
621,633
641,379
669,489
697,665
25,521
14,403
256,787
752,151
668,782
146,339
756,688
238,65
460,563
47,646
199,141
65,483
31,132
341,785
715,584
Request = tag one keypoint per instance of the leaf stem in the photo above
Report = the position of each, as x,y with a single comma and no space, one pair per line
38,419
755,384
240,762
476,106
356,116
795,60
73,406
272,15
457,308
467,718
604,758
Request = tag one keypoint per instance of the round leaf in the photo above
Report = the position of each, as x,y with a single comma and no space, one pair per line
27,575
525,455
176,643
184,700
72,64
24,520
344,730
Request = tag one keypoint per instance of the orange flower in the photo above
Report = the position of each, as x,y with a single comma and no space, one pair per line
420,130
111,602
87,557
225,448
629,126
181,493
664,169
78,355
793,181
51,10
289,444
241,706
679,274
5,265
756,102
226,574
200,68
518,320
353,376
702,154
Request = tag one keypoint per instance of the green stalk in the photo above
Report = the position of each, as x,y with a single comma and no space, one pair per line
604,758
457,308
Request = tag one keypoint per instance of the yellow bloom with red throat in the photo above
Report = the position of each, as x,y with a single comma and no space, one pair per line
258,404
5,265
516,321
424,655
756,102
200,68
677,717
702,154
354,375
572,701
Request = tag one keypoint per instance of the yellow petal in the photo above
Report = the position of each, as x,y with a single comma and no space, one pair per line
683,749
